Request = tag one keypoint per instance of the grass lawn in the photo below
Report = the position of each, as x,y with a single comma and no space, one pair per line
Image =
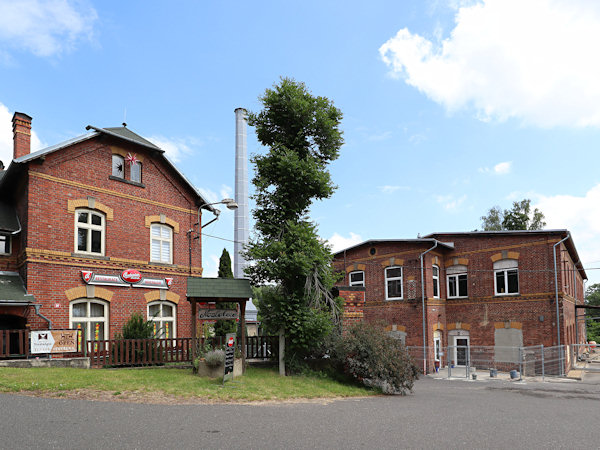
258,384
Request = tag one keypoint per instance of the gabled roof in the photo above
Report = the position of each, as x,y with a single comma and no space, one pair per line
215,288
121,133
448,245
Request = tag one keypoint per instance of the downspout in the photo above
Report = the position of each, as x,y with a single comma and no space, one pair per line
423,305
37,311
556,298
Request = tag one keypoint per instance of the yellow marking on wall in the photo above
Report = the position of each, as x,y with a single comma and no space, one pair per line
109,192
149,220
72,205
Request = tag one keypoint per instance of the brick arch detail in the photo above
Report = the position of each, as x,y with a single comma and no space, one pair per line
395,327
504,255
90,203
163,295
89,291
459,326
161,218
355,266
457,262
509,324
392,262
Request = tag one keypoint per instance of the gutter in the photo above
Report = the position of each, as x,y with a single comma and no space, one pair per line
423,307
37,311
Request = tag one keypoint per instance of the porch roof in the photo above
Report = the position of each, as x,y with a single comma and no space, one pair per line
216,288
12,290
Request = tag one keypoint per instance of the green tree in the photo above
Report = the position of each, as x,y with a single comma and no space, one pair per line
592,297
302,135
519,217
222,327
137,327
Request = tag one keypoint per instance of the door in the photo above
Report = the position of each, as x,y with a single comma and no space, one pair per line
461,350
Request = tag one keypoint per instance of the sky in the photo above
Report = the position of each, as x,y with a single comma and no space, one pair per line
450,107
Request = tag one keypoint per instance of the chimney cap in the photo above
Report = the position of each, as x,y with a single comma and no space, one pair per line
20,115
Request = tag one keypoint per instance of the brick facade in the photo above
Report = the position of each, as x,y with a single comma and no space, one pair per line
46,193
481,312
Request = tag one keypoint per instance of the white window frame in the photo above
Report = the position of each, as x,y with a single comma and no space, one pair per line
456,272
160,318
387,279
436,280
118,159
90,227
7,244
160,239
356,283
504,266
87,319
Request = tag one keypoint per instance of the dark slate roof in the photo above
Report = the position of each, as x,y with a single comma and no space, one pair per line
127,134
9,222
12,289
448,245
218,288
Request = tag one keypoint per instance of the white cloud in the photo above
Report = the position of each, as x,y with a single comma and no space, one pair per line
502,168
211,269
175,148
45,27
6,137
339,242
581,216
531,60
449,202
391,189
209,196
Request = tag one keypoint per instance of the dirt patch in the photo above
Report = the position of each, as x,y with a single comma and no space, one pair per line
160,398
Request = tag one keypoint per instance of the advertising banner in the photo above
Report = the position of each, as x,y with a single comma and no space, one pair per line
54,341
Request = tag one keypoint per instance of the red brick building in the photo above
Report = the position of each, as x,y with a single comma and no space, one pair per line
471,289
94,229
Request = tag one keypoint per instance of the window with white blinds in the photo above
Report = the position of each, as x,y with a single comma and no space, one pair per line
161,243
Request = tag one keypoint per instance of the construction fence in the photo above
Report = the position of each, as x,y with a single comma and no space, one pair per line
533,361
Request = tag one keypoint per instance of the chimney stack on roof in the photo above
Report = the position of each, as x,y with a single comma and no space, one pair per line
21,134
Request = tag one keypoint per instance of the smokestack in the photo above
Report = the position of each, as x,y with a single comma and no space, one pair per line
21,134
241,222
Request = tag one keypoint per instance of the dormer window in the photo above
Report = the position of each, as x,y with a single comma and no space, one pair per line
118,166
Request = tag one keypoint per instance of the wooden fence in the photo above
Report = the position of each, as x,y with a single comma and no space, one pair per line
148,352
14,343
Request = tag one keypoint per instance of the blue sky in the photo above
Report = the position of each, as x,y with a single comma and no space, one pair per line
450,107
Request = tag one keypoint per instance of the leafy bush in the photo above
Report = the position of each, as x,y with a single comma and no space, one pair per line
368,355
215,358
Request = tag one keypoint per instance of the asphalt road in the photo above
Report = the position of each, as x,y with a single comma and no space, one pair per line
440,413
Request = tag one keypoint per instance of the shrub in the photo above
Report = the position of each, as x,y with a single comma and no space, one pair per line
368,355
215,358
137,328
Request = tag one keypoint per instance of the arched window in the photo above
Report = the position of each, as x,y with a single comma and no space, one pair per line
161,243
135,172
457,281
163,316
506,277
91,317
118,166
393,283
89,231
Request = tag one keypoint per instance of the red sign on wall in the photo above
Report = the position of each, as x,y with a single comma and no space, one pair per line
131,276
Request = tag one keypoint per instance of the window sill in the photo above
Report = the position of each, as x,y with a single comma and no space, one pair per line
164,264
394,299
458,298
90,256
512,294
123,180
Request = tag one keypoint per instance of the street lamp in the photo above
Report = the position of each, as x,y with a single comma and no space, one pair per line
228,202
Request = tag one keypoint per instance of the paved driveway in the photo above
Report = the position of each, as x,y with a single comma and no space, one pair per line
440,413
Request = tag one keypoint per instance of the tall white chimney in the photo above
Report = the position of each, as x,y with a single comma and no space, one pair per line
241,222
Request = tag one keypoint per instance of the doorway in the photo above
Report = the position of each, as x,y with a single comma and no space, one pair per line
461,350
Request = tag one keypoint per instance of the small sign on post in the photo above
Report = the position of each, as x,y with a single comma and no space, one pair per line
229,357
217,314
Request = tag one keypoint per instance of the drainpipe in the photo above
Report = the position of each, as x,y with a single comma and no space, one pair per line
37,311
423,305
556,300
